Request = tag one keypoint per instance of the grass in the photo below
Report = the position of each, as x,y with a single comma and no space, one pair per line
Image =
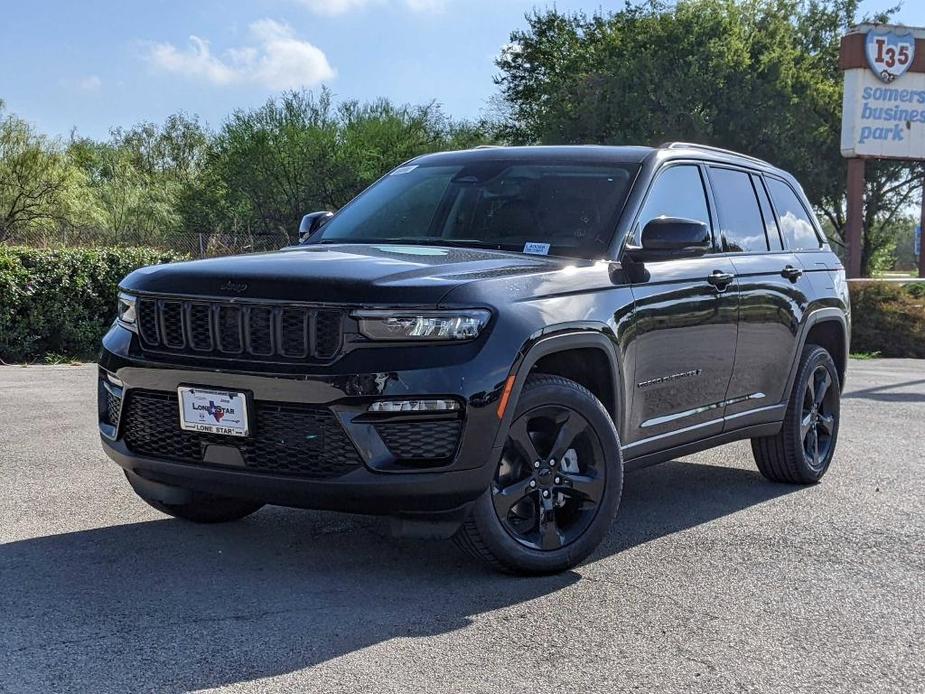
53,359
864,356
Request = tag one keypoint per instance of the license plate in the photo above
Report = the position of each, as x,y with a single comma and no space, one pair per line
213,411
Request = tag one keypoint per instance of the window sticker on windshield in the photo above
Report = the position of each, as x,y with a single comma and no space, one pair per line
403,170
536,248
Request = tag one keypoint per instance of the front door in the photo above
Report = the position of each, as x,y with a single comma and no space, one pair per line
683,329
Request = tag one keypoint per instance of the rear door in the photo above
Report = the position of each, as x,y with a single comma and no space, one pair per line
683,328
772,295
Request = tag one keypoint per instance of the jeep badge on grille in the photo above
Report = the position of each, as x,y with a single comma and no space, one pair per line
232,286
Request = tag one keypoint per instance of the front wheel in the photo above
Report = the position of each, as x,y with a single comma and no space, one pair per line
802,451
557,486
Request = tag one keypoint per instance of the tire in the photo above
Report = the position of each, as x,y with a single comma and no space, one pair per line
197,507
556,514
802,451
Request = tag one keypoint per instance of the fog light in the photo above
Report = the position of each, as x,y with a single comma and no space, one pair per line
114,380
414,406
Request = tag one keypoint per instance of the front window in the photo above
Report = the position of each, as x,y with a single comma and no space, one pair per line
556,209
677,192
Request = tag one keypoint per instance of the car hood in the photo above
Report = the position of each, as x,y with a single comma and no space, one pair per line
341,273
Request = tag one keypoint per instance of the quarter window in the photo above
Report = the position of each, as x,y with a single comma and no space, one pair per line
740,222
770,224
677,192
795,224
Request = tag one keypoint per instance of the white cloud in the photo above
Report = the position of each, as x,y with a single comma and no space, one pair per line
90,83
195,61
426,5
335,7
276,59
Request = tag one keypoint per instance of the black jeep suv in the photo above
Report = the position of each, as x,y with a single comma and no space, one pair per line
480,343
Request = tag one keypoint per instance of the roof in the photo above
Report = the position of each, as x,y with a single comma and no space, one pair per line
546,153
589,154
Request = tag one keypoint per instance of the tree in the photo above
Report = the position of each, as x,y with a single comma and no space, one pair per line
759,76
138,178
268,166
40,190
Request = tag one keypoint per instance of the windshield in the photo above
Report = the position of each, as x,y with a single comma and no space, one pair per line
555,209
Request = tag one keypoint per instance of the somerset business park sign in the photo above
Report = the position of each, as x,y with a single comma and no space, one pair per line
884,101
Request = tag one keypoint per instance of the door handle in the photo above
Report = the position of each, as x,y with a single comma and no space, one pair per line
720,280
791,273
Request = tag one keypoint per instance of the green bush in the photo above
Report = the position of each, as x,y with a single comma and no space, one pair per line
888,318
61,302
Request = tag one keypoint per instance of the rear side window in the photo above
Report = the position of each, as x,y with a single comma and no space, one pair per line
740,222
677,192
795,224
770,224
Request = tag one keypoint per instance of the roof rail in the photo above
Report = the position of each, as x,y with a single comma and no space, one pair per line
487,146
709,148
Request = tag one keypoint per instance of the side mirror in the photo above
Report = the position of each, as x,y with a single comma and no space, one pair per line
311,223
669,238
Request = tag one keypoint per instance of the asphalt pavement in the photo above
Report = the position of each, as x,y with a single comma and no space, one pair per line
711,580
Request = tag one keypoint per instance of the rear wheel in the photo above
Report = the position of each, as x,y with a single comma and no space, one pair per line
802,451
557,486
194,506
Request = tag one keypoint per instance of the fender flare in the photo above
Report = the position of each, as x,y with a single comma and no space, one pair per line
567,340
816,316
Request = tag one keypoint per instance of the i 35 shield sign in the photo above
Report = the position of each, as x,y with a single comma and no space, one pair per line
889,54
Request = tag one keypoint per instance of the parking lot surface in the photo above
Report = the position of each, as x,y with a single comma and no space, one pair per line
711,580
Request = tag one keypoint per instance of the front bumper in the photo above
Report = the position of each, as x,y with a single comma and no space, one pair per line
408,496
381,482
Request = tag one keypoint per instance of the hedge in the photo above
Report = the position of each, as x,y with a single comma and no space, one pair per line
888,318
61,302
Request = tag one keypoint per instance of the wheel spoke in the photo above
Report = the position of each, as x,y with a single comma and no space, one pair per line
827,422
822,388
815,449
811,389
571,426
583,486
505,497
522,441
808,440
550,537
805,424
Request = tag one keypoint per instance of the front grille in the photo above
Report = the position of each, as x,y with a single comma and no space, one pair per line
421,440
285,438
254,331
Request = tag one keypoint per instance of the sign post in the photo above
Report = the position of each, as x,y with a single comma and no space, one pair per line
918,237
883,111
855,227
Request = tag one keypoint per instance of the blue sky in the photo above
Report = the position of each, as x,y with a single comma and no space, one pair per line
94,64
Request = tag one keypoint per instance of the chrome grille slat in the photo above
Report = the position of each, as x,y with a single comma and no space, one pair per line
257,331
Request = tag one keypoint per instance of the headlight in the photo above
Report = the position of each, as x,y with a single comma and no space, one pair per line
125,311
422,325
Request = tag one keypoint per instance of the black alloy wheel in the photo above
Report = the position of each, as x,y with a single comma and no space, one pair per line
556,489
817,424
549,482
801,452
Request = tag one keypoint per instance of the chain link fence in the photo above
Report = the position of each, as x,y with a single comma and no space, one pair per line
195,245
